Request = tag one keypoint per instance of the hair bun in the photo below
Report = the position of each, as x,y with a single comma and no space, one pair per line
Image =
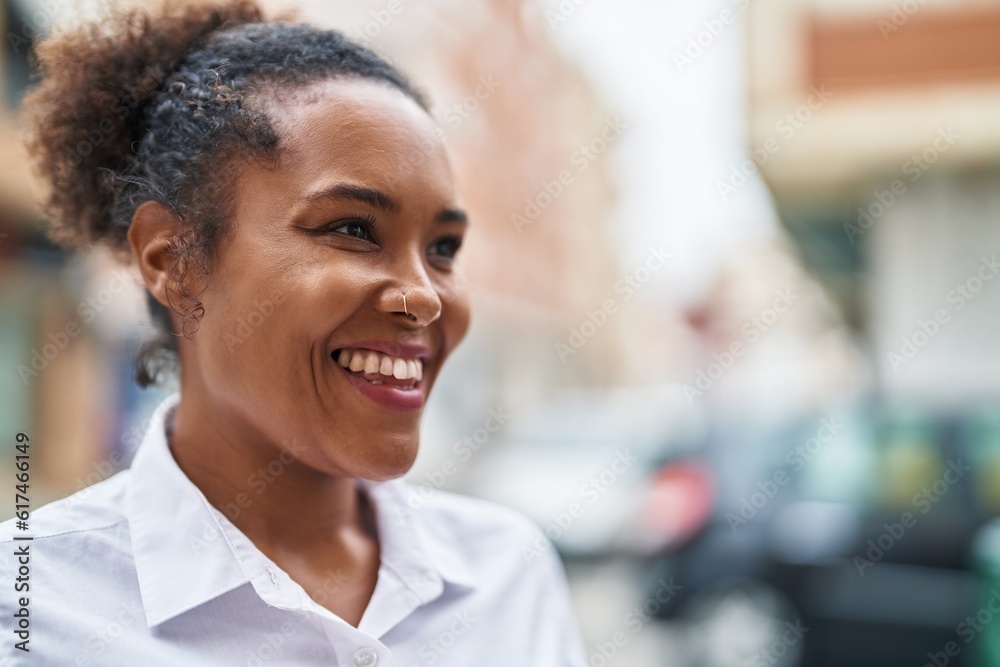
96,80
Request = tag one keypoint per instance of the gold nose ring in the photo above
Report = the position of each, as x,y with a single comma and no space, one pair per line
404,305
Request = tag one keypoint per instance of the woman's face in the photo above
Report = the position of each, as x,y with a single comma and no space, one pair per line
359,210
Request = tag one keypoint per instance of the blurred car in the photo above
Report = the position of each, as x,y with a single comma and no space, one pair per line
861,541
835,540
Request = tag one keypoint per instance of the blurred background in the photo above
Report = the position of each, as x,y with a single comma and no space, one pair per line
735,317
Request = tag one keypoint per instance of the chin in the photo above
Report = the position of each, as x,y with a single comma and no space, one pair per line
388,461
381,472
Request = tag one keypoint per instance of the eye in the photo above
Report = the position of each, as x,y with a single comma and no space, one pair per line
360,229
446,247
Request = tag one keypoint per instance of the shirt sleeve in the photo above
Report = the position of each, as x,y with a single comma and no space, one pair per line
566,648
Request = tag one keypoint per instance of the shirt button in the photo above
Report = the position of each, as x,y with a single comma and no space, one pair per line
365,657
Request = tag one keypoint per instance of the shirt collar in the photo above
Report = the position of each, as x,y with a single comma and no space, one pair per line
407,541
183,558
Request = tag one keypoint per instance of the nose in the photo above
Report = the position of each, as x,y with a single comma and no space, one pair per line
413,301
420,306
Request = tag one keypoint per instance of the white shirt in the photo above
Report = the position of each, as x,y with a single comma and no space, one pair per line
141,570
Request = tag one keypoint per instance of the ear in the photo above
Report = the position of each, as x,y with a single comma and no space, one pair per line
150,235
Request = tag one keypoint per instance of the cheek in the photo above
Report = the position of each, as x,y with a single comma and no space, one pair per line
241,335
266,325
456,315
244,334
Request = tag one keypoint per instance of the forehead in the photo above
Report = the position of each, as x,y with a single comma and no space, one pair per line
358,130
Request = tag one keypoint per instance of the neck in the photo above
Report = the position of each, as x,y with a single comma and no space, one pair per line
280,503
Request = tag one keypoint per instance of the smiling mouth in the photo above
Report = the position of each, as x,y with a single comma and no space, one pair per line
377,368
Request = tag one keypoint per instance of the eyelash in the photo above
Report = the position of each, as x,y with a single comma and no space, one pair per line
368,224
365,221
454,240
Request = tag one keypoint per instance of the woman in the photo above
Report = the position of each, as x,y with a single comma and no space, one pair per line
284,197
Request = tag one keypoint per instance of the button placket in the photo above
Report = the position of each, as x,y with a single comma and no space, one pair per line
365,656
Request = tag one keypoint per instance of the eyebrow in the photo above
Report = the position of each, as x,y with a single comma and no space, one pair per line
359,193
453,215
380,200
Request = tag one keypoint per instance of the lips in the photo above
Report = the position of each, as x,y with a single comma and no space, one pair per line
390,380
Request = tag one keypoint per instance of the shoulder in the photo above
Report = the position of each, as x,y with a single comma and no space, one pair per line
78,545
518,578
453,513
484,532
86,514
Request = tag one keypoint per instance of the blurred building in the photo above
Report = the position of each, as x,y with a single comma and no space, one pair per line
534,259
55,382
825,176
875,125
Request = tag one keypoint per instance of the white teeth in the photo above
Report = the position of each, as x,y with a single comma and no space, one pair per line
357,362
386,367
371,362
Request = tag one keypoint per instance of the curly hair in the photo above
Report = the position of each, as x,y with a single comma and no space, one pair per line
157,105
